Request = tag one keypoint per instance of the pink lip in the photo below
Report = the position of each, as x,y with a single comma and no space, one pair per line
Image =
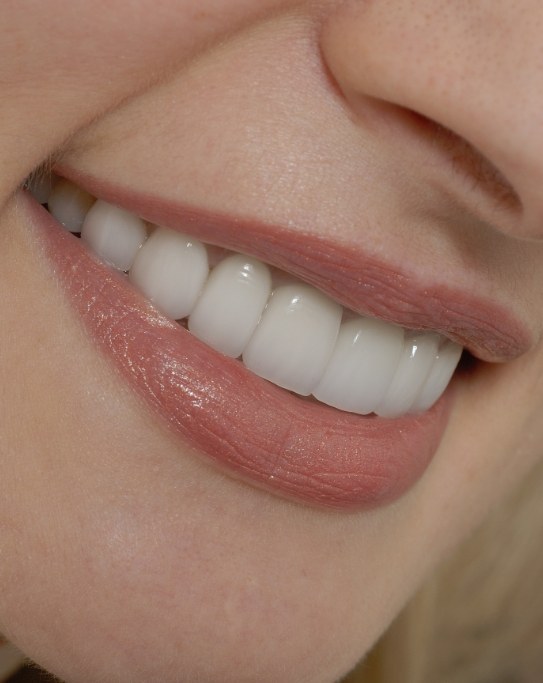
262,434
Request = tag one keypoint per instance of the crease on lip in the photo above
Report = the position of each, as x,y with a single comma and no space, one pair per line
360,282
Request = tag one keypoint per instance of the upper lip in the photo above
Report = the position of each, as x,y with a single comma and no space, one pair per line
357,280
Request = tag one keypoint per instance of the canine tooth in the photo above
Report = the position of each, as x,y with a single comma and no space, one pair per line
444,365
231,304
113,233
362,365
293,342
416,361
170,270
69,204
40,186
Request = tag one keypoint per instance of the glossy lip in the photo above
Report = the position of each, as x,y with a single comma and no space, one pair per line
255,431
358,281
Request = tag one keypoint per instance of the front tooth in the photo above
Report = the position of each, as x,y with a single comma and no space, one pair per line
416,362
444,365
114,234
231,304
362,366
170,270
293,341
69,204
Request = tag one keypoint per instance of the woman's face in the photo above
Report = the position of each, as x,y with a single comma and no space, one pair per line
389,153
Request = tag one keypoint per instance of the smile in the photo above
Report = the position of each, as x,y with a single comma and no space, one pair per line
197,329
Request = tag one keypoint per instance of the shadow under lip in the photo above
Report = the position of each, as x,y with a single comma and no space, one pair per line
255,431
358,281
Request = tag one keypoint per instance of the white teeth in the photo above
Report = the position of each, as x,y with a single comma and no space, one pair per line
171,269
364,360
114,234
231,304
416,361
444,365
293,341
286,332
69,204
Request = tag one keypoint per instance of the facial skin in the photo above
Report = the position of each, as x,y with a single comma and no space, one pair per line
115,538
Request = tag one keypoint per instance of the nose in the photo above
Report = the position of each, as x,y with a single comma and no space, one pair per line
474,67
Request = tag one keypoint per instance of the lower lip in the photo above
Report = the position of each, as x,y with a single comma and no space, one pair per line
257,432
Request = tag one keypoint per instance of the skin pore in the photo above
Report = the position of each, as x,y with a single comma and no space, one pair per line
114,538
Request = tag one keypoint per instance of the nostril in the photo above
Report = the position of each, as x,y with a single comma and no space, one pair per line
442,67
467,160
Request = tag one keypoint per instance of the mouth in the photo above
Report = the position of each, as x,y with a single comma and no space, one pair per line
294,364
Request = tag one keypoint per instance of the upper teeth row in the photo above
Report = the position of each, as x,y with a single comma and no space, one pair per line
292,335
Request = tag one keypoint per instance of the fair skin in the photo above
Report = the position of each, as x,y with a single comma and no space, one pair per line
117,538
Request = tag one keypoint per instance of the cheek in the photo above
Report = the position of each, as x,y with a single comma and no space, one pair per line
62,65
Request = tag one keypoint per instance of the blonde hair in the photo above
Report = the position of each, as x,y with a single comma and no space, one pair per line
479,619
